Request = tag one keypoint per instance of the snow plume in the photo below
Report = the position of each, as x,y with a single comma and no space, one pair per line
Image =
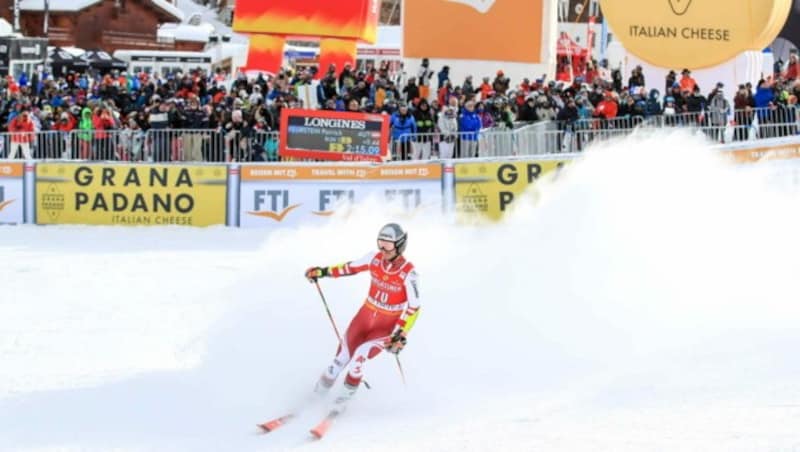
644,302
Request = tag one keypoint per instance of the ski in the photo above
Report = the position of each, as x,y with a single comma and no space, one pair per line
322,428
276,423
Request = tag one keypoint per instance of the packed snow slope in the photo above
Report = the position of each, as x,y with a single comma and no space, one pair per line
648,301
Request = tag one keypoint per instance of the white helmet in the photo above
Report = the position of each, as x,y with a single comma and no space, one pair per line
392,232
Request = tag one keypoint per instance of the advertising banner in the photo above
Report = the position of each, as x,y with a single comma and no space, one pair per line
354,19
12,203
130,195
486,190
281,195
695,34
435,29
265,53
337,53
334,135
754,154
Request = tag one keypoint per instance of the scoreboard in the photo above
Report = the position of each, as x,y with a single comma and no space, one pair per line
334,135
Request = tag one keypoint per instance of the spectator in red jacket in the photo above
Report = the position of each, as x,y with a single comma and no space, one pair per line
21,128
607,108
103,121
791,68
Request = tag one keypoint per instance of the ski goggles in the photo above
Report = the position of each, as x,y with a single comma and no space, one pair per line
385,245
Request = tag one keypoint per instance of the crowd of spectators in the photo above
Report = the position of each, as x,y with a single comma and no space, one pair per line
108,115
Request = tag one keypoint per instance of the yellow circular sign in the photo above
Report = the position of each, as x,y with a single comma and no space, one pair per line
693,34
780,13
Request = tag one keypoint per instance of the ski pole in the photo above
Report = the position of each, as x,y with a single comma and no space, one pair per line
400,366
333,322
330,316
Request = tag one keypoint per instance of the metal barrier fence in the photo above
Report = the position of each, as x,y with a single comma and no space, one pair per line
545,137
168,145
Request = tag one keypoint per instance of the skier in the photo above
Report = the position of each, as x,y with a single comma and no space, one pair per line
387,315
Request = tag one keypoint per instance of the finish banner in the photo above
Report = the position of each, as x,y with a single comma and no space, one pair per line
281,195
130,195
12,193
485,191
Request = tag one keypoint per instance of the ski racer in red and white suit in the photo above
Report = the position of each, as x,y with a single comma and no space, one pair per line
387,315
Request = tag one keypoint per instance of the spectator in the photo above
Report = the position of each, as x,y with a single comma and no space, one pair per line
743,105
718,109
469,125
86,134
426,125
102,122
412,92
22,131
196,119
607,108
448,129
687,83
467,88
443,76
487,120
501,83
652,106
527,112
670,80
791,68
424,75
403,127
636,79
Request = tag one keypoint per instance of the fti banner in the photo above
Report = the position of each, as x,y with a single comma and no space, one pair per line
284,196
130,195
354,19
486,190
11,193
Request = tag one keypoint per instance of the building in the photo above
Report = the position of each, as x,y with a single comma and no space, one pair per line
103,24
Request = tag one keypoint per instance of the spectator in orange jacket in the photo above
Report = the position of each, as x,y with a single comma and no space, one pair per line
687,82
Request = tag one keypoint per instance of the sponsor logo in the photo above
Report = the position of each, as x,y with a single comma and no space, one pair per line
474,200
329,197
481,6
130,195
335,123
3,201
53,202
279,206
409,198
679,7
694,34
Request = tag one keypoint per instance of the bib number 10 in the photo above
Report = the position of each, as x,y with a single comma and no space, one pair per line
381,296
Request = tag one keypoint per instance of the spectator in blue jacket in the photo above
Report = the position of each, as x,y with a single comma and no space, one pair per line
403,127
469,124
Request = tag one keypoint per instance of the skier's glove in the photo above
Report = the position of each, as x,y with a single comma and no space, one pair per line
314,273
396,343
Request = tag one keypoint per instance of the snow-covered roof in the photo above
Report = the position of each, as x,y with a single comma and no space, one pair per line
5,27
186,32
189,7
170,8
80,5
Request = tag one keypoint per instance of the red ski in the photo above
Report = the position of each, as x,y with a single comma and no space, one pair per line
276,423
322,428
